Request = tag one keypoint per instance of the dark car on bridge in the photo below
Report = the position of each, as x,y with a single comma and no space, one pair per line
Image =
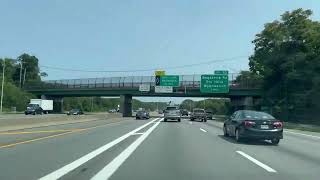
142,114
75,112
246,124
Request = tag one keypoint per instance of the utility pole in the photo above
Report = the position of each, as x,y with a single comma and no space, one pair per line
91,104
24,76
20,73
3,68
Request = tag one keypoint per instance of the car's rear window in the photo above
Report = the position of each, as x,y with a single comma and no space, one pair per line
257,115
172,108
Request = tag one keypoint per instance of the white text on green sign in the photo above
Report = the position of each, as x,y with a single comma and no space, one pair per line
214,84
221,72
169,80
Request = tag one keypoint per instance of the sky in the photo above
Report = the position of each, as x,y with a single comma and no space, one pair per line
102,35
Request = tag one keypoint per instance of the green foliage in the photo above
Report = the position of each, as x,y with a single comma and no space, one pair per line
287,56
98,104
15,97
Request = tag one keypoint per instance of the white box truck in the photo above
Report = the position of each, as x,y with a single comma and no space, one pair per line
46,105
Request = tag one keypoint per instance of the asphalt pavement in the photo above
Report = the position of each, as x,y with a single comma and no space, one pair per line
153,149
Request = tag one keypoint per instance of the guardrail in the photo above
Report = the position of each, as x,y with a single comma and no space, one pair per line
188,81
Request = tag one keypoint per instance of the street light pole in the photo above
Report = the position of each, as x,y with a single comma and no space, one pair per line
3,68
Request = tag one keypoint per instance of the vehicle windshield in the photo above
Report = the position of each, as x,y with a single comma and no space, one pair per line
257,115
172,108
160,89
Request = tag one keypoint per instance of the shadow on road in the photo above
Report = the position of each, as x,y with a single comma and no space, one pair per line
170,121
246,142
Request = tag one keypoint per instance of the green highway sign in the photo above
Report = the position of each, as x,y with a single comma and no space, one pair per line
221,72
169,80
217,83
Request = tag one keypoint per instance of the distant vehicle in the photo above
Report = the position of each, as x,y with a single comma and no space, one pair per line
112,111
198,114
33,109
184,112
46,105
142,114
75,112
245,124
209,114
173,113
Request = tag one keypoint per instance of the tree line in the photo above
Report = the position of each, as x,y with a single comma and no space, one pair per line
286,59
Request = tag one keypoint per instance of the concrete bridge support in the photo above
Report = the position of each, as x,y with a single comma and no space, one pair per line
57,103
245,103
126,105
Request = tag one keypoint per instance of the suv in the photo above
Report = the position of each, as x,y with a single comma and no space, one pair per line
199,114
33,109
184,112
210,114
172,112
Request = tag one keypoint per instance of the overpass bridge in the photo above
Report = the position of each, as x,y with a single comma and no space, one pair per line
244,93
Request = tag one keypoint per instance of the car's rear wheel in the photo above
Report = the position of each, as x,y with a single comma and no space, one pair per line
205,120
179,120
191,119
165,120
275,141
238,138
225,133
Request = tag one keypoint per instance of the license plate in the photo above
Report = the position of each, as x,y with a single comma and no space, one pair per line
264,126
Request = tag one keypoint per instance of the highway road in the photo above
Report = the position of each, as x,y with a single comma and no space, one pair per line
152,149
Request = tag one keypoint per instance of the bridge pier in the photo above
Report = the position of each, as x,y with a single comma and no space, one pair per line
126,105
58,105
245,103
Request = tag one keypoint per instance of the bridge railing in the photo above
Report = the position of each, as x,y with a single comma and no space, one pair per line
188,81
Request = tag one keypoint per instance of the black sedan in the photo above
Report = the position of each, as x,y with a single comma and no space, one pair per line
142,115
75,112
245,124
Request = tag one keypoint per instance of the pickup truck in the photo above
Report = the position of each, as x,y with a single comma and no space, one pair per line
198,114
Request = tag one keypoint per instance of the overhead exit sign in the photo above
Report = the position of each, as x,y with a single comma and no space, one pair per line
169,80
221,72
216,83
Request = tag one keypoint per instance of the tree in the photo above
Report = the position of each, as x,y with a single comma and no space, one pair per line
287,57
31,64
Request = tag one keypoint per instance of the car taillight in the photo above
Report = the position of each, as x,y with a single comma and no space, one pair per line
278,124
249,123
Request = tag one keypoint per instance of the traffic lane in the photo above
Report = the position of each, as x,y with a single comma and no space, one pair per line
296,157
34,160
182,151
12,138
91,167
